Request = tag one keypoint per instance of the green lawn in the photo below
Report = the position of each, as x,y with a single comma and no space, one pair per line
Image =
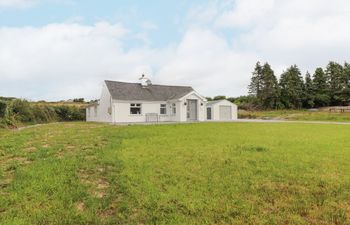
206,173
297,115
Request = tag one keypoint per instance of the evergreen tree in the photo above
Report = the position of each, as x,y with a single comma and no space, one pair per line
335,76
269,93
255,85
292,88
345,95
320,88
309,92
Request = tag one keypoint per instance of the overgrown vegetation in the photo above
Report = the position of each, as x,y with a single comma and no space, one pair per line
207,173
14,112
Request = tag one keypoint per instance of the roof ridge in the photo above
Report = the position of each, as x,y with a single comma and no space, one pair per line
164,85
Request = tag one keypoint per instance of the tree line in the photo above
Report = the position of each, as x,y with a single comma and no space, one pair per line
324,87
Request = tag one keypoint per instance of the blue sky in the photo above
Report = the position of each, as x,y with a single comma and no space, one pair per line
166,19
60,49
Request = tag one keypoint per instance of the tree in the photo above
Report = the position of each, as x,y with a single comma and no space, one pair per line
219,97
255,85
309,96
345,94
231,99
264,86
292,88
334,73
320,88
269,93
79,100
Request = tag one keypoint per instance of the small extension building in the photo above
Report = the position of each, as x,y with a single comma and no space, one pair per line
141,102
221,110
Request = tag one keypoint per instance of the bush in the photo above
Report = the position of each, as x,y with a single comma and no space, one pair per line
246,102
16,111
69,113
22,110
3,108
44,114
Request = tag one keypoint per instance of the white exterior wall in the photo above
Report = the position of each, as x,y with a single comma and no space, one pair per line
121,110
122,114
235,112
215,110
104,110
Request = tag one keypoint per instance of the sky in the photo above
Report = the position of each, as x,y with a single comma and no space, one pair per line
63,49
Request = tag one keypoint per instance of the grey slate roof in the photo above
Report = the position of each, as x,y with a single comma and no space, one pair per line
154,92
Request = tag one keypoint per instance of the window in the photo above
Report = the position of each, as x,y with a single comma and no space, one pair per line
88,112
162,109
174,109
135,108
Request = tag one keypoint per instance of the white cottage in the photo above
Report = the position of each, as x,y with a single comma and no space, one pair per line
122,102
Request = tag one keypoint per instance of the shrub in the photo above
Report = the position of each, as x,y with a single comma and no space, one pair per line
70,113
44,114
22,110
3,108
14,111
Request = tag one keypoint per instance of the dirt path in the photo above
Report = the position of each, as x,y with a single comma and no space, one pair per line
233,121
36,125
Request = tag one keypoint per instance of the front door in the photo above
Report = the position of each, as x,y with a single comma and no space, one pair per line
191,110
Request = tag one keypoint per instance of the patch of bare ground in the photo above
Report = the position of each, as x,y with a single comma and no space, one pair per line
60,154
69,147
109,211
21,160
90,157
101,186
98,185
5,181
80,206
45,145
30,149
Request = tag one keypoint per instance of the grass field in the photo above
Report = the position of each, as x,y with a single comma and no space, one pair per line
206,173
298,115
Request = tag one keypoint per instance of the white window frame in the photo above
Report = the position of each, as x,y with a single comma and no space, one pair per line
162,106
135,106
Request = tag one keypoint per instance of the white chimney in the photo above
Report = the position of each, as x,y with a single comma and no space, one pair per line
145,81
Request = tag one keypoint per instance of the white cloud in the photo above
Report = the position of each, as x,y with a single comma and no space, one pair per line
286,32
206,61
58,60
71,60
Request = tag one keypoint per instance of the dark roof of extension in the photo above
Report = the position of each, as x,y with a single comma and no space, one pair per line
153,92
